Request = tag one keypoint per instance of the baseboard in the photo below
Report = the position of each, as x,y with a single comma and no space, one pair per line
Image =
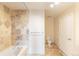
62,53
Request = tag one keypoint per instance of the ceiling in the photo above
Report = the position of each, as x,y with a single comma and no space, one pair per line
15,5
58,9
39,5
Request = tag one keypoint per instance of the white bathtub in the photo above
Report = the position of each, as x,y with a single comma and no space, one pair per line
14,51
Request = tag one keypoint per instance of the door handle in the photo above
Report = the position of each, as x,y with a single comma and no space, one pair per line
69,39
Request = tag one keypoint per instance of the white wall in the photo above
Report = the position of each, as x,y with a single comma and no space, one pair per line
36,32
76,29
49,27
56,31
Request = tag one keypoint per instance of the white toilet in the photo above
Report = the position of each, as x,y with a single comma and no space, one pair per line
50,41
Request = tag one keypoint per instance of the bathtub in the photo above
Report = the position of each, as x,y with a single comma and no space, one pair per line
14,51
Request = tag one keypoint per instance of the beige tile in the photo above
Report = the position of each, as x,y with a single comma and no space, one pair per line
53,51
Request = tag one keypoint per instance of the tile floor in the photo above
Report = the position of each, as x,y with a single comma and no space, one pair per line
53,51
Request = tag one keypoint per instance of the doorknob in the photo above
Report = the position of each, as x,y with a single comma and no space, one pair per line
69,38
27,31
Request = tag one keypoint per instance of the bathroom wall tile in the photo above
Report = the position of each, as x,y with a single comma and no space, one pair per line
5,28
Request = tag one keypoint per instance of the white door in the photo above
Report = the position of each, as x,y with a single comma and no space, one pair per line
66,41
36,32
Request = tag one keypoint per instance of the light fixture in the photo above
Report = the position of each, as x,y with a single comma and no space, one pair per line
51,5
55,3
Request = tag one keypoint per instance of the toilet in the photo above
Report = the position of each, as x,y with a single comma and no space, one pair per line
50,41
